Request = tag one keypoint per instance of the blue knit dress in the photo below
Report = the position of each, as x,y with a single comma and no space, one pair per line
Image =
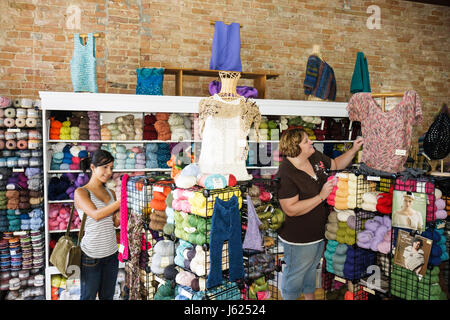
83,65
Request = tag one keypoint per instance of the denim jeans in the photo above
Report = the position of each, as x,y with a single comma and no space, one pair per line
299,273
98,276
225,225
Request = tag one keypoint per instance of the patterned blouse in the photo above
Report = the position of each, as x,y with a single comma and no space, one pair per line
387,135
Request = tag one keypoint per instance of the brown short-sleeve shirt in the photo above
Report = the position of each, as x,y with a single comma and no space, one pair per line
310,226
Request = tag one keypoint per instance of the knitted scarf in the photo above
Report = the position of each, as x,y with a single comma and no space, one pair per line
123,220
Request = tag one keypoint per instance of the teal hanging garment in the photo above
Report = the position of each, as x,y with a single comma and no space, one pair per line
83,66
150,81
360,79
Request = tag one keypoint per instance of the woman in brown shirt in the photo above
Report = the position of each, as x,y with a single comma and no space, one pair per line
302,193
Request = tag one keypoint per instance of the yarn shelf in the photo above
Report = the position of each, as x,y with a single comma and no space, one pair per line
145,104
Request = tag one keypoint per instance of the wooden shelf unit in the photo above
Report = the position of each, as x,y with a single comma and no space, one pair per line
259,79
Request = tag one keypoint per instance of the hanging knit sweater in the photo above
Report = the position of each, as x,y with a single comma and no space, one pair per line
319,79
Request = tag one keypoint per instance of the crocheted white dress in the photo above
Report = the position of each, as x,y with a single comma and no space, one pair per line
224,127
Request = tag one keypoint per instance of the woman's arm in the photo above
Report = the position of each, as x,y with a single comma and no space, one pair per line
345,159
83,202
116,216
294,207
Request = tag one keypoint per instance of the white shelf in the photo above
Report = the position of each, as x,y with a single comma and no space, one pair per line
126,103
114,170
60,201
121,141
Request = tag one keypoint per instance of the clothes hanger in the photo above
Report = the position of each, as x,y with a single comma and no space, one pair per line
84,36
385,95
213,23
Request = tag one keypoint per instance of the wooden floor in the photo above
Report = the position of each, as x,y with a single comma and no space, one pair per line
319,294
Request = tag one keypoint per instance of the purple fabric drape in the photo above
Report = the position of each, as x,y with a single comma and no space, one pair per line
226,47
244,91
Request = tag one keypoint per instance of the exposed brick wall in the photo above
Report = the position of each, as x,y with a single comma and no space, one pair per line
411,50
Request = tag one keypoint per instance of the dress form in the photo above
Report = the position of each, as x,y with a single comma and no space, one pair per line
315,52
229,80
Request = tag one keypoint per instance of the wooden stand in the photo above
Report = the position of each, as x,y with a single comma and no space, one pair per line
259,79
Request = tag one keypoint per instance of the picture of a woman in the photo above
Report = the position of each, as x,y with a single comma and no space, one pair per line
406,216
414,256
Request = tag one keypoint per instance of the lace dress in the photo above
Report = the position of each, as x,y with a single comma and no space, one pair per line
224,127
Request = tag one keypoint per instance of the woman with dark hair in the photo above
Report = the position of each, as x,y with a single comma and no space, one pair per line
302,193
414,256
99,259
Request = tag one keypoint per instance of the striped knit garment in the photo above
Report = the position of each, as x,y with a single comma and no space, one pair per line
99,240
319,79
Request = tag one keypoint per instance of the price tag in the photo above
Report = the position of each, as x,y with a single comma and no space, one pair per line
158,188
165,262
369,290
217,183
373,178
16,130
340,279
400,152
186,294
18,170
322,125
159,280
121,248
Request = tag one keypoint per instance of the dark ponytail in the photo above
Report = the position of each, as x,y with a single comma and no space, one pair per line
100,157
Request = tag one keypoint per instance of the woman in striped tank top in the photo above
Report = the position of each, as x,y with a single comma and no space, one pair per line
99,259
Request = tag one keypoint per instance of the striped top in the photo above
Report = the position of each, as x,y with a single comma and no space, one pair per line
99,238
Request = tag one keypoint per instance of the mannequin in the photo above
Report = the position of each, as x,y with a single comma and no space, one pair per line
316,51
224,122
229,80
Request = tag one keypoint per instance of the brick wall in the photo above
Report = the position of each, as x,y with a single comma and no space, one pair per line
410,50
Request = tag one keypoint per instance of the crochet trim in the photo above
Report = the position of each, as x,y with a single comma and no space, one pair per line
247,110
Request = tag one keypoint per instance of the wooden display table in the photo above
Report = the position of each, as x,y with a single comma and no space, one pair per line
259,79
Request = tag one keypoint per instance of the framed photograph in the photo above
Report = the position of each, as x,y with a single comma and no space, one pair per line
412,252
409,210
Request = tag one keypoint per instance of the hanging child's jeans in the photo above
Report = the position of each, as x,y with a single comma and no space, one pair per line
225,225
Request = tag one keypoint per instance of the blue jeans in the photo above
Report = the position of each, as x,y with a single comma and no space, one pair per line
299,274
225,225
98,276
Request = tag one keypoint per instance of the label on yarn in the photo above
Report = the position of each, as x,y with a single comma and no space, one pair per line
369,290
165,262
158,188
121,248
373,178
186,294
400,152
217,183
159,279
322,125
340,279
440,225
